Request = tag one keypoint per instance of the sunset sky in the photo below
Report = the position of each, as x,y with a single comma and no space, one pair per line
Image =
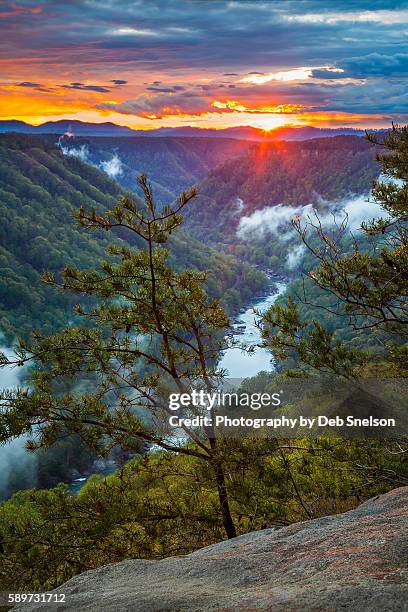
208,63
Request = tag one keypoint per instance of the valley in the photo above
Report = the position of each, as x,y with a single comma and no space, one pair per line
42,186
173,164
204,305
43,181
41,191
317,172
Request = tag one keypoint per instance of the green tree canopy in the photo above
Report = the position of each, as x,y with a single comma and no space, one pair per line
368,281
152,330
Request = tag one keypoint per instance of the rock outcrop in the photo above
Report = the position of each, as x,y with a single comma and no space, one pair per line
354,561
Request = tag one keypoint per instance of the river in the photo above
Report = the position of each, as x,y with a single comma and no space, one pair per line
239,365
243,365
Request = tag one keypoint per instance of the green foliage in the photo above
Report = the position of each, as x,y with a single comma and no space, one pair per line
152,330
309,342
172,164
40,193
293,173
366,281
167,505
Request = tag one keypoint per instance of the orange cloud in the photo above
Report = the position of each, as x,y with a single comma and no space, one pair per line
234,105
28,107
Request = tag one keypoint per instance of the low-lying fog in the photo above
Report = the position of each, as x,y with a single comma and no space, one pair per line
270,220
275,221
13,455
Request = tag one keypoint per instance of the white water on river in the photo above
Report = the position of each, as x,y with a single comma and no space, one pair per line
240,364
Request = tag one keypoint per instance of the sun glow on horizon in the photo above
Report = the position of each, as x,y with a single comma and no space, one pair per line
276,109
199,102
38,108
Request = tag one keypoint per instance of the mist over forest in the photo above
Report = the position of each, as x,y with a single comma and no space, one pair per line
242,230
204,305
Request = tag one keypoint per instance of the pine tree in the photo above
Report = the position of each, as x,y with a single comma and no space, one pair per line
148,331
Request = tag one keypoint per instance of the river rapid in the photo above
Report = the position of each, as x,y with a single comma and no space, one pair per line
236,362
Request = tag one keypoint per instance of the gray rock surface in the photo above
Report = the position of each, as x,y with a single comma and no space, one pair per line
354,561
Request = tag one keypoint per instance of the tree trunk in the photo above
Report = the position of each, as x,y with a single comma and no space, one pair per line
224,503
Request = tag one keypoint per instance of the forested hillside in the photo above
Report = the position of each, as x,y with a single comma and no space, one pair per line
172,164
144,510
293,173
40,191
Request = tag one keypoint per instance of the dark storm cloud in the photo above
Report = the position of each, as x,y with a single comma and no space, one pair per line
118,82
324,73
374,97
172,89
35,86
376,64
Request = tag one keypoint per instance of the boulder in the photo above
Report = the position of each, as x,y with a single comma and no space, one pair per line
355,561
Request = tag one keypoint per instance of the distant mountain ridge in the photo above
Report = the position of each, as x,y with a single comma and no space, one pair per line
256,134
81,128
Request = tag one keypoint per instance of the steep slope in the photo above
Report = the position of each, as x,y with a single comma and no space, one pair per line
172,164
293,173
40,190
39,193
352,561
